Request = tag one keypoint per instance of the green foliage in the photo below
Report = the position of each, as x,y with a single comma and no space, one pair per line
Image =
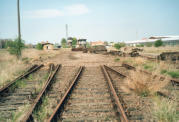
64,43
158,43
15,47
74,42
39,46
173,74
119,45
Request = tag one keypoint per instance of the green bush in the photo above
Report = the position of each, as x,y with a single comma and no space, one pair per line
74,42
158,43
119,45
64,43
15,47
39,46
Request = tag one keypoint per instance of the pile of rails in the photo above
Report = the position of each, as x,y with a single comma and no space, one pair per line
101,49
169,56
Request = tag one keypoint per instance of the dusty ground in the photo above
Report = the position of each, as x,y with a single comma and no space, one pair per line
69,58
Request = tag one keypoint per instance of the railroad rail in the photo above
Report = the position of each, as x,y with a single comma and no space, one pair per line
62,110
114,94
38,100
18,93
59,107
25,74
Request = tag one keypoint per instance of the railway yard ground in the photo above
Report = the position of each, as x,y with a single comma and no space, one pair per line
65,85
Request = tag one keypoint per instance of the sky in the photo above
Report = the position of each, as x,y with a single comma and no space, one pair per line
105,20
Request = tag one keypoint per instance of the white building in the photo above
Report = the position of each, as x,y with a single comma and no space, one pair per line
167,40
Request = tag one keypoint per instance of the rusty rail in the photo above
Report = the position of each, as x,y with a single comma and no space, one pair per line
119,105
29,71
117,72
38,100
53,117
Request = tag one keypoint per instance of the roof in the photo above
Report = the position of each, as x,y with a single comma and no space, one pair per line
82,39
155,38
45,43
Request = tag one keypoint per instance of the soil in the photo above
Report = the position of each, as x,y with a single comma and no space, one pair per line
72,58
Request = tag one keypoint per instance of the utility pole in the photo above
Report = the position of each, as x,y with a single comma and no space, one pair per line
18,17
66,32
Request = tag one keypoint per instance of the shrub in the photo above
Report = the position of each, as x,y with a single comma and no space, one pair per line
119,45
64,43
138,83
158,43
39,46
15,47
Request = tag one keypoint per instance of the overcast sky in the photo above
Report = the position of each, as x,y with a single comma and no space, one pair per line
106,20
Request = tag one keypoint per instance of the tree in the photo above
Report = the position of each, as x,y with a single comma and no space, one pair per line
158,43
39,46
117,46
63,42
15,47
74,42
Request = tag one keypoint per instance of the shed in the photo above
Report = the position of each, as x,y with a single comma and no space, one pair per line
47,46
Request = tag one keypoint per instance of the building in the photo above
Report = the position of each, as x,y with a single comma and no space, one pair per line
69,41
167,40
47,46
81,42
97,43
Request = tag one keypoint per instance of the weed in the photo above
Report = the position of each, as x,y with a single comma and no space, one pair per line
148,67
18,84
173,74
117,59
41,112
163,71
16,115
164,110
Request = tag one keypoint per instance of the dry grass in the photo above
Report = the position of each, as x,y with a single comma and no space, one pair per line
34,55
10,67
164,110
158,50
143,84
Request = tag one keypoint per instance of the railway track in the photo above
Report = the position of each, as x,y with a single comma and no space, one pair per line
89,97
127,100
52,91
18,94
